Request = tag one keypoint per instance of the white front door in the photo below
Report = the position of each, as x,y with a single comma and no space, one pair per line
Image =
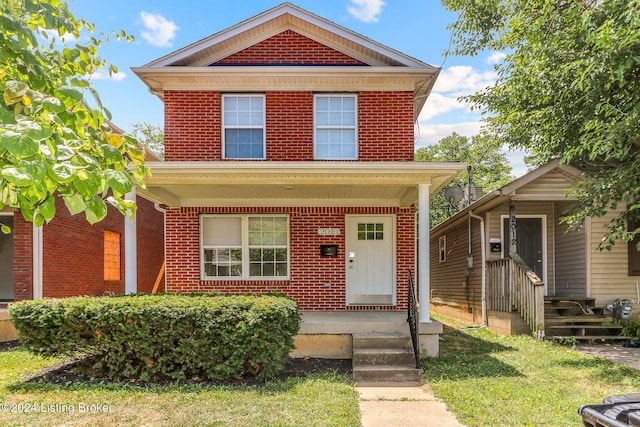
370,259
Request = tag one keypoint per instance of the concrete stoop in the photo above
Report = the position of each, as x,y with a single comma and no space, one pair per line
384,360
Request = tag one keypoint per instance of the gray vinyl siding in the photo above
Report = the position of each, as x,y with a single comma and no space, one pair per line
449,283
571,258
550,186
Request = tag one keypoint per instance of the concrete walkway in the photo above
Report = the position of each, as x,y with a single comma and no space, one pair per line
403,406
615,352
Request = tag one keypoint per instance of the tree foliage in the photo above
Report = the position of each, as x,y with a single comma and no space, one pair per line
150,136
52,143
490,168
568,88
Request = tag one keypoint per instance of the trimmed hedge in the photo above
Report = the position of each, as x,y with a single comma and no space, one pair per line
166,336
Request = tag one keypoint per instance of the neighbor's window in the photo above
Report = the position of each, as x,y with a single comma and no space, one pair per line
243,126
335,136
245,246
111,255
442,248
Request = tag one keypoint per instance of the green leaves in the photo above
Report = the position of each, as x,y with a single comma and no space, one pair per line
567,88
51,142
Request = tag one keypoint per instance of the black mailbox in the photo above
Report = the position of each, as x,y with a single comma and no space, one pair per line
495,244
328,250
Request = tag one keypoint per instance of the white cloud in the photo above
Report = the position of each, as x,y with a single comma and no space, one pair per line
159,31
439,104
104,75
496,57
463,80
430,134
366,10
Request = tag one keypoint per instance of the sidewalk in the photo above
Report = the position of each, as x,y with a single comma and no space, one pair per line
403,406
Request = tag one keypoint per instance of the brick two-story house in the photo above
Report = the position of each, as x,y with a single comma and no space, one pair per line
289,167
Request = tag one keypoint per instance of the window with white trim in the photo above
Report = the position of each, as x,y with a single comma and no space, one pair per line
243,121
335,127
244,247
442,248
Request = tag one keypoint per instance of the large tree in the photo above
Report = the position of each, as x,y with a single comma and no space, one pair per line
52,143
490,168
150,136
567,88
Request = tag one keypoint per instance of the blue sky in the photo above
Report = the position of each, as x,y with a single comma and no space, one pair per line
414,27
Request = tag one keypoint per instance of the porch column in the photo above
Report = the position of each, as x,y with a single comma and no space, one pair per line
423,253
130,253
36,262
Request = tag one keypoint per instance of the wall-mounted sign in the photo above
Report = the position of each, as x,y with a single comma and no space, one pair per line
329,231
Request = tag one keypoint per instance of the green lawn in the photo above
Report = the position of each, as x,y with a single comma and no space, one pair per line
491,380
319,400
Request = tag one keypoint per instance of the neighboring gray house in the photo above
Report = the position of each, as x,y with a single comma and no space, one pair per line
470,274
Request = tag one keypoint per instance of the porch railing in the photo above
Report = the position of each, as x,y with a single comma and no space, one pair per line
513,286
412,318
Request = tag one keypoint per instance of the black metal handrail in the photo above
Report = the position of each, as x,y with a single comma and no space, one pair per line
412,318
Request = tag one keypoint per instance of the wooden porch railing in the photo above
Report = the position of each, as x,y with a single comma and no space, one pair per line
512,286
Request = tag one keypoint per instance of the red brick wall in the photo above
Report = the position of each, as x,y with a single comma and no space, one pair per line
193,126
385,126
309,271
289,48
150,245
73,262
22,258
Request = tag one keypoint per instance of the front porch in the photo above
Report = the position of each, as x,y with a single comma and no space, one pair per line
329,334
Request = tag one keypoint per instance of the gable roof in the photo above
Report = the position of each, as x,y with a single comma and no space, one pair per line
383,69
510,191
276,20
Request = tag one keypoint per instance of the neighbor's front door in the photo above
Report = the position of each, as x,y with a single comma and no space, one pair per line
370,259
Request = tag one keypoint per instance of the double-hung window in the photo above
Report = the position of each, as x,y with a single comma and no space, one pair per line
243,126
245,247
335,127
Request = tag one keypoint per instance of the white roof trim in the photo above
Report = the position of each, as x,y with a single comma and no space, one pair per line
284,9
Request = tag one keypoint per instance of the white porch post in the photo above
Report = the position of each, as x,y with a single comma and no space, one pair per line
130,252
36,262
423,253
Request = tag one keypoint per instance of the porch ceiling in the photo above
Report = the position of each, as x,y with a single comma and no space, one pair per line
294,183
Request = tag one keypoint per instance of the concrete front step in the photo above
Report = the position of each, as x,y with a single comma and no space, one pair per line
388,375
369,341
383,356
384,360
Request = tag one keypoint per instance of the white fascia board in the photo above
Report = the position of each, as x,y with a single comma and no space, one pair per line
284,9
305,168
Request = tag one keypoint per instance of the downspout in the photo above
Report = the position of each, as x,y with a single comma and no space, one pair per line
156,205
483,252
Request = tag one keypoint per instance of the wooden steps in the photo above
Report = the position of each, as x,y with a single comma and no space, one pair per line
579,319
384,360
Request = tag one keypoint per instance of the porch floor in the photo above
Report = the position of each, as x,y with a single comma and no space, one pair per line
353,322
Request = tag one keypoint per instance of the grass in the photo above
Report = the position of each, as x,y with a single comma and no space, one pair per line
491,380
318,400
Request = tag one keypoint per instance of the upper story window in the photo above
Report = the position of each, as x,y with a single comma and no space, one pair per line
335,127
243,126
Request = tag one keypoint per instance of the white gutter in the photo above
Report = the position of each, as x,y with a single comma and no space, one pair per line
484,265
37,262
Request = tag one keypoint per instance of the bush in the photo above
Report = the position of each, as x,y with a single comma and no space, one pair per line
167,336
631,328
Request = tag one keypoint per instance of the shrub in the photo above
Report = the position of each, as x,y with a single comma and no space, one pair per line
631,328
165,336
